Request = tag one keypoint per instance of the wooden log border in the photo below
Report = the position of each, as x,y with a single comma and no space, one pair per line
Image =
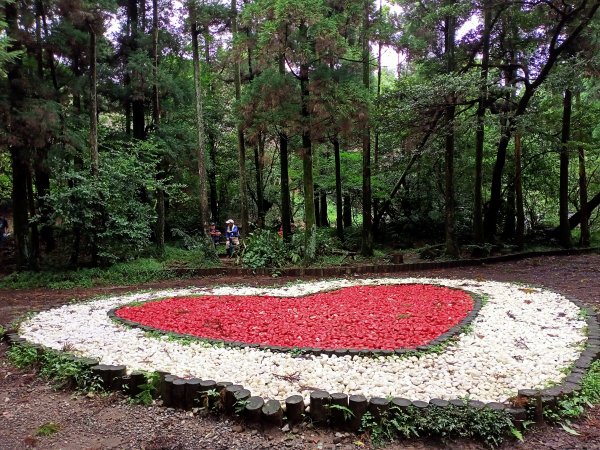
299,351
183,393
528,404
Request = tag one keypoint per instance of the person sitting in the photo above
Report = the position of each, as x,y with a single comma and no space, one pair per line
214,233
232,236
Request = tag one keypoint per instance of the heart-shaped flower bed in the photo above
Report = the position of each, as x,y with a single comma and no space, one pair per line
360,317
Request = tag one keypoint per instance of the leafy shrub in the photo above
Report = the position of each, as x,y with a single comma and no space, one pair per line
264,248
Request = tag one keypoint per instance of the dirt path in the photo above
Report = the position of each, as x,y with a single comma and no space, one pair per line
112,423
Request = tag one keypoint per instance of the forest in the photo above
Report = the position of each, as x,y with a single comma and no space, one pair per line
127,127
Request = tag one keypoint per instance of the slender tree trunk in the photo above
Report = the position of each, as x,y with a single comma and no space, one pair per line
323,210
347,211
367,225
259,151
318,207
478,234
310,231
450,207
160,193
509,216
77,163
93,107
286,208
212,147
20,212
520,210
136,99
35,237
93,113
583,191
379,47
339,213
200,128
565,230
240,131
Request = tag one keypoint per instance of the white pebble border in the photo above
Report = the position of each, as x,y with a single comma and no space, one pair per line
523,338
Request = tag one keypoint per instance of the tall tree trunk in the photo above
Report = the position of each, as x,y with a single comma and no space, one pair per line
18,153
583,191
367,225
212,146
259,151
93,107
42,186
310,231
379,47
93,113
240,131
77,162
563,211
137,98
286,208
520,210
323,209
318,207
199,127
478,234
449,200
339,214
35,237
160,193
509,216
347,211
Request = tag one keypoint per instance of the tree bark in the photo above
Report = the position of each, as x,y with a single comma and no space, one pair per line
347,211
563,210
212,147
240,131
199,127
520,211
310,232
160,193
367,225
323,209
449,200
286,208
583,191
137,98
259,151
478,235
317,207
576,218
339,214
93,108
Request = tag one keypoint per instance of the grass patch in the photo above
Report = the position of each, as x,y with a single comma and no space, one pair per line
142,270
47,429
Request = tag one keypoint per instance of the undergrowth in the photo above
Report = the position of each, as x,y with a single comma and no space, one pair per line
138,271
57,367
486,425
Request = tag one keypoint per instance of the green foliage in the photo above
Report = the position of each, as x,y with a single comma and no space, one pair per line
142,270
47,429
450,422
264,248
57,367
110,210
22,356
148,390
573,407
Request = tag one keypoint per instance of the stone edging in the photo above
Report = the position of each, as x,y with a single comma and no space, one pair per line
442,338
234,399
378,268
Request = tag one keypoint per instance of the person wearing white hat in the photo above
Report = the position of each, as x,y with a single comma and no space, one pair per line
232,236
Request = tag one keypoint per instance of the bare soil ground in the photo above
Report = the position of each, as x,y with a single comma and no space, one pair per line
27,402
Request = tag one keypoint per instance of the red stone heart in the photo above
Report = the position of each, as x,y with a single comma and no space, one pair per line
360,317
